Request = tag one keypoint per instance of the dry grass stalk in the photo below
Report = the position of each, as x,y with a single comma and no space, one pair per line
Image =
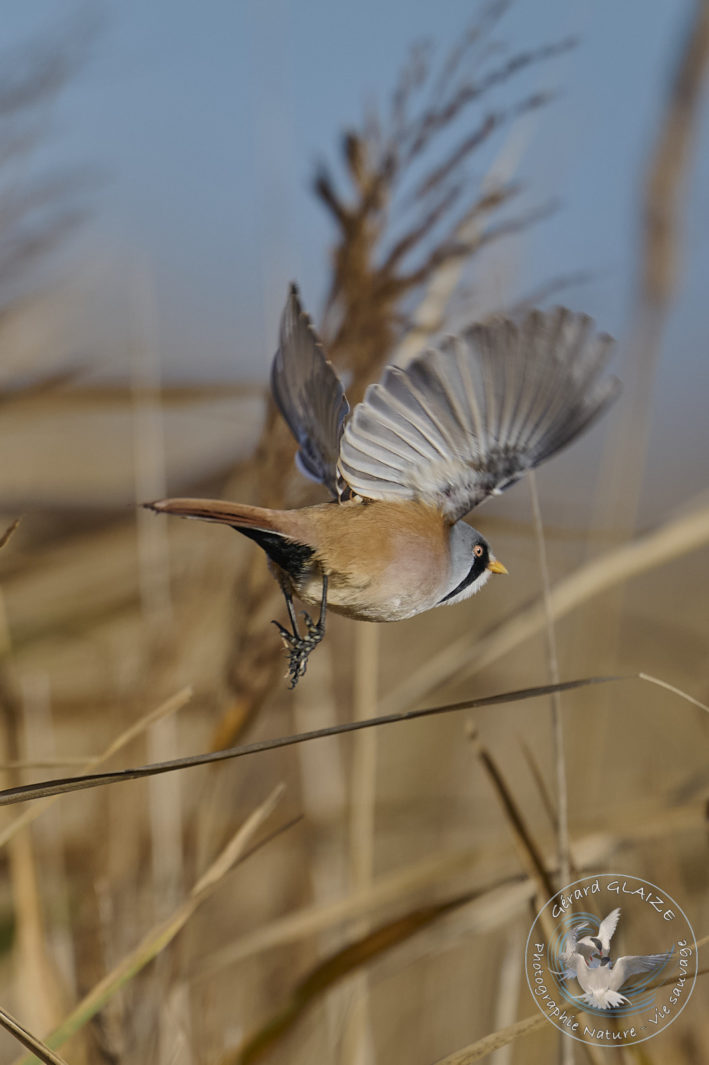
497,904
670,160
439,291
507,992
333,970
494,1041
159,937
26,792
374,244
36,860
164,798
323,792
356,1041
390,244
459,660
36,213
520,1029
48,392
675,691
623,468
541,785
530,852
315,919
37,982
562,804
39,987
170,706
8,532
40,1050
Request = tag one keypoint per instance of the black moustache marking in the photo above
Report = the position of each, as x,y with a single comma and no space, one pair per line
479,566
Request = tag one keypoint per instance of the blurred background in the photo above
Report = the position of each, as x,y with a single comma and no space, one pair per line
165,171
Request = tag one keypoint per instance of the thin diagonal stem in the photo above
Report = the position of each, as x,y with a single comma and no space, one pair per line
555,698
566,1053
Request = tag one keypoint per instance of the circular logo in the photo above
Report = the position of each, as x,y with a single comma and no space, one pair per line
611,960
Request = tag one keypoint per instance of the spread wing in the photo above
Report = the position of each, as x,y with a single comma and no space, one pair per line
608,926
467,420
309,394
632,964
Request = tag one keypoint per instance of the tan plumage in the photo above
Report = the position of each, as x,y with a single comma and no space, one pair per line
424,447
377,556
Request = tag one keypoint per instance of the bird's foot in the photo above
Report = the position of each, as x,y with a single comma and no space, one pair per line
299,647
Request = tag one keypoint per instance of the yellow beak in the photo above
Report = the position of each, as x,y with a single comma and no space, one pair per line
496,567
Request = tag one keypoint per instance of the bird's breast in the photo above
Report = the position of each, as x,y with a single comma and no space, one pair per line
383,561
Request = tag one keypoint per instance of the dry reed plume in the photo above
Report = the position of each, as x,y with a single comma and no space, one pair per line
319,896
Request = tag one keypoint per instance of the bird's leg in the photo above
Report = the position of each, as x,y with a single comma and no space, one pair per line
300,647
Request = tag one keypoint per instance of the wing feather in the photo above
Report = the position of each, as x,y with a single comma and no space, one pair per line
468,419
309,395
608,926
633,965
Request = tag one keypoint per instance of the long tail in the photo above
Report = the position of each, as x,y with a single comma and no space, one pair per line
238,515
279,533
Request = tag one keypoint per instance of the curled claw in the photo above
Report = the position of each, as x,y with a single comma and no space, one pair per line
299,647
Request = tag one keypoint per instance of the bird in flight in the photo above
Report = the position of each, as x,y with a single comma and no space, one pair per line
427,444
600,978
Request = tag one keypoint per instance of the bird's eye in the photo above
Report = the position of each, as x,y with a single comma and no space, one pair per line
478,550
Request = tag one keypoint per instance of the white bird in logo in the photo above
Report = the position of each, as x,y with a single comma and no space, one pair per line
599,977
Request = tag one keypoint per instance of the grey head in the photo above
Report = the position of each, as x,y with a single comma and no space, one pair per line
472,562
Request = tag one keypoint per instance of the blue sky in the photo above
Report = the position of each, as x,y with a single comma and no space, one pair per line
206,121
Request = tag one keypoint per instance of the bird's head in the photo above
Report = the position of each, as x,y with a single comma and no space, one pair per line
472,562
